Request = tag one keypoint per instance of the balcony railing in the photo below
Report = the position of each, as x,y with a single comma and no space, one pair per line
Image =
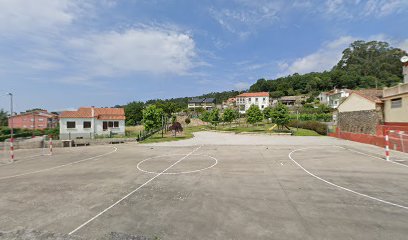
399,89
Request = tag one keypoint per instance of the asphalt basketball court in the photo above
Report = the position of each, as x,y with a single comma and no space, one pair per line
332,189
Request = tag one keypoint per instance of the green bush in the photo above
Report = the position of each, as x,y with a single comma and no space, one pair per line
320,117
318,127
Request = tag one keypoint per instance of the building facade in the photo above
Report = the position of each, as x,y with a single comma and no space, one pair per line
205,103
37,119
396,105
334,97
229,103
90,122
245,100
361,112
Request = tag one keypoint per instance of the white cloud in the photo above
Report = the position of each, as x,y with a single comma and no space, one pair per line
240,86
245,15
329,54
20,16
323,59
359,9
150,50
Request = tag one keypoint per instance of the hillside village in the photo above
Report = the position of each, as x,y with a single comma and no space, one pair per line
203,120
362,114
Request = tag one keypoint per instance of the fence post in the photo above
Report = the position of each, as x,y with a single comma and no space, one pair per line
387,146
12,149
50,145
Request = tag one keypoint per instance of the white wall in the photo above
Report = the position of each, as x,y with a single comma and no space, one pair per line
356,102
80,131
248,101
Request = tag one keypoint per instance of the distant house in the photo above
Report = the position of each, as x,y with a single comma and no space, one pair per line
88,122
334,97
291,100
205,103
229,103
36,119
361,112
245,100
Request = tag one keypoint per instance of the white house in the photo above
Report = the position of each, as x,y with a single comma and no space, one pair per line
89,122
334,97
245,100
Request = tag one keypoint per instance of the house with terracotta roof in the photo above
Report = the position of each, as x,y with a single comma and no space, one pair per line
245,100
361,112
35,119
88,122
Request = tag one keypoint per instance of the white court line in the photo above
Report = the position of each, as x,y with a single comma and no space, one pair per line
174,173
135,190
338,186
59,166
369,155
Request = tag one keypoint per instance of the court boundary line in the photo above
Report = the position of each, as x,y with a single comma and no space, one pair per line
129,194
175,173
59,166
373,156
338,186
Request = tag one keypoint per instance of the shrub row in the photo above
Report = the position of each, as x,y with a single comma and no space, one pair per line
18,132
318,127
321,117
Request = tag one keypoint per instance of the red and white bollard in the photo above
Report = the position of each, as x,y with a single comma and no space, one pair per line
387,147
50,145
12,149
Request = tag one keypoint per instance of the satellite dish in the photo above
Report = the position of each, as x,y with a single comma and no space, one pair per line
404,59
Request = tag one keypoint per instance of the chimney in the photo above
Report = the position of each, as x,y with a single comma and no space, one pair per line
405,72
93,111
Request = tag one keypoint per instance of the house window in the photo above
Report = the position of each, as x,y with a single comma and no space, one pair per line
256,99
262,106
110,124
263,99
396,103
249,99
41,119
87,124
70,124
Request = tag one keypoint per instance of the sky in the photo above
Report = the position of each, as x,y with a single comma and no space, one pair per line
64,54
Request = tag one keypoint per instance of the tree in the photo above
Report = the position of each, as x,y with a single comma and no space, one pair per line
254,114
205,116
152,117
176,127
280,115
134,112
187,121
229,115
267,113
3,118
214,116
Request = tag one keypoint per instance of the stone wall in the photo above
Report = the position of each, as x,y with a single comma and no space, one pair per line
360,121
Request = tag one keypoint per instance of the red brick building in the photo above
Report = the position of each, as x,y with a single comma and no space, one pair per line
38,119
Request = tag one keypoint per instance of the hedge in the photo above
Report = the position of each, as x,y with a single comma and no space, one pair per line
318,127
18,132
321,117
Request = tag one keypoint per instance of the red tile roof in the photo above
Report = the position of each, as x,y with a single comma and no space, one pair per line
100,113
254,94
373,95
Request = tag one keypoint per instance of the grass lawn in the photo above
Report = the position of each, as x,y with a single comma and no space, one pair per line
186,134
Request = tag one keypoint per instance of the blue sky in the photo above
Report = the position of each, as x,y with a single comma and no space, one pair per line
63,54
